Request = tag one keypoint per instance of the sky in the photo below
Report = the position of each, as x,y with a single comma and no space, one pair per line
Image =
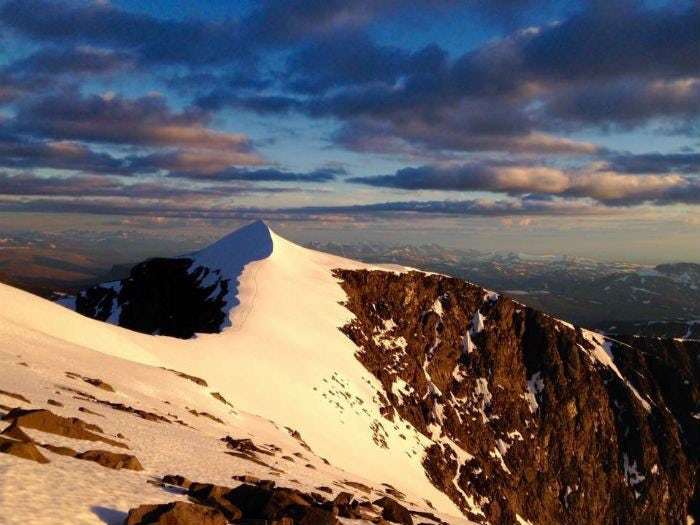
521,125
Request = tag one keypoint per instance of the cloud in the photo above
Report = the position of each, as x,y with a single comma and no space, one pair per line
193,209
655,163
470,207
618,64
78,60
111,118
264,174
606,187
30,185
456,132
332,62
627,102
617,38
99,23
274,24
183,139
22,153
205,161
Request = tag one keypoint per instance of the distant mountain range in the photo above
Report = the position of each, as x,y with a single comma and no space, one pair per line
617,297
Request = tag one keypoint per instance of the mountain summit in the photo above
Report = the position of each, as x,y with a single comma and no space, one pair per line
196,292
420,397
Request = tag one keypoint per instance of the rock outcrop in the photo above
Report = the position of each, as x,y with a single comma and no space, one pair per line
530,417
176,513
46,421
21,449
111,459
160,296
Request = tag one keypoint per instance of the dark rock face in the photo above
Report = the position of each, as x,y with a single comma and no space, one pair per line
264,504
394,511
176,513
529,416
161,296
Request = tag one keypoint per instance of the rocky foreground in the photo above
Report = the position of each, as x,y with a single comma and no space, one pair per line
40,435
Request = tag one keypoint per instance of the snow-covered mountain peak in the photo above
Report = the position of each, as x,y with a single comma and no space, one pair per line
249,243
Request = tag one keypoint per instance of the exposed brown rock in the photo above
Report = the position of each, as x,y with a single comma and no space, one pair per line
54,403
143,414
197,380
343,498
47,421
177,480
215,496
317,516
249,457
266,483
15,432
359,486
258,502
394,511
265,503
429,515
88,411
111,460
221,398
296,435
63,451
99,384
19,397
245,478
21,449
205,414
175,513
525,395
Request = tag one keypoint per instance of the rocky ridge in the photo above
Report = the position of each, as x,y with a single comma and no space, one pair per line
532,419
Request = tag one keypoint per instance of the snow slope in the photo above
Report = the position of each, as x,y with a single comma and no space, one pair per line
282,362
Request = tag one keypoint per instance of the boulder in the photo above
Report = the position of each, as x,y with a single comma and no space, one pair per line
15,432
47,421
177,480
343,498
111,459
214,496
394,511
63,451
317,516
175,513
99,384
261,503
286,502
250,499
21,450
